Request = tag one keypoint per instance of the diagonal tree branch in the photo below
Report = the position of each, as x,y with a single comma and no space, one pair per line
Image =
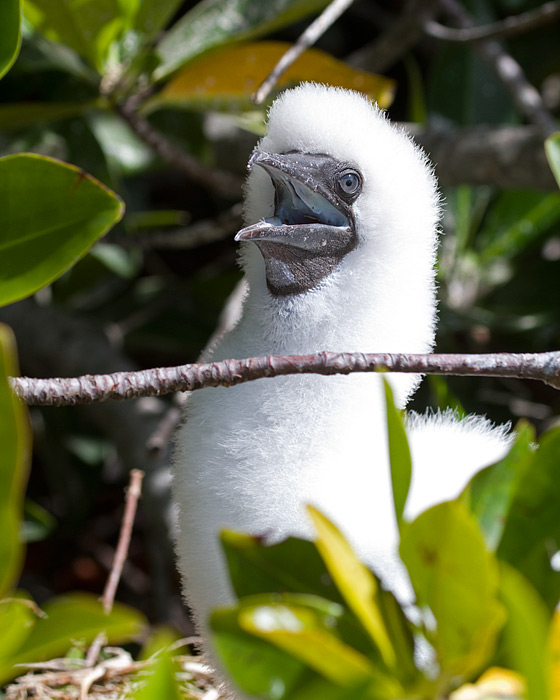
526,96
163,380
315,30
546,14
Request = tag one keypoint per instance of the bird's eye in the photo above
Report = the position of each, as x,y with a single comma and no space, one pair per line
350,183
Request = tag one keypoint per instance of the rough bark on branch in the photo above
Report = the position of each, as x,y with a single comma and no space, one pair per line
162,380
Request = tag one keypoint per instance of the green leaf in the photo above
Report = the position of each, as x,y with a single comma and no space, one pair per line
399,454
10,34
214,23
455,576
159,680
552,149
290,566
515,221
305,628
89,27
153,16
72,617
17,617
532,531
356,583
228,76
50,215
257,667
491,491
15,439
523,643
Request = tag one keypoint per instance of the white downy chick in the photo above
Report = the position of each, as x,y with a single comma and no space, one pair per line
342,211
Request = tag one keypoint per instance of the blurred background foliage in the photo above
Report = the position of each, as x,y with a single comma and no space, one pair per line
118,88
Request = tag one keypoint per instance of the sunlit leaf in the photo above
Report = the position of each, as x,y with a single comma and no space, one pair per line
10,33
228,76
399,454
75,617
553,656
493,684
17,617
356,583
524,638
153,16
50,215
15,441
89,27
454,574
552,148
214,23
257,667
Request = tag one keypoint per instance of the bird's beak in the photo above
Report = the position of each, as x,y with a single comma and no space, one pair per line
311,229
307,215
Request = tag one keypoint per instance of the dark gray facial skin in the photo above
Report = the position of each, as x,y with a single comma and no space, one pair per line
312,228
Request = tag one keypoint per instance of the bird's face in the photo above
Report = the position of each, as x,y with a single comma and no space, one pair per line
312,227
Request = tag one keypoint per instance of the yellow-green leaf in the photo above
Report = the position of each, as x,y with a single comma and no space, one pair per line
552,148
15,442
10,34
229,76
356,583
399,454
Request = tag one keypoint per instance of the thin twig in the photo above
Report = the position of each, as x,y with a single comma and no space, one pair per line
121,553
525,95
164,380
212,178
315,30
509,26
131,504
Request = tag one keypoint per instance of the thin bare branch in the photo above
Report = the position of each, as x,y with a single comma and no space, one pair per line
212,178
163,380
131,504
525,95
546,14
315,30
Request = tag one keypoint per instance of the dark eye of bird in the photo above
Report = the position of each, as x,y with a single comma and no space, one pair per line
350,183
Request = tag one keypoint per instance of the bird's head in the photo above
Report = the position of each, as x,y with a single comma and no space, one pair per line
333,181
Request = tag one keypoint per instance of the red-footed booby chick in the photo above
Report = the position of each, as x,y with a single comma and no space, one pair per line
342,215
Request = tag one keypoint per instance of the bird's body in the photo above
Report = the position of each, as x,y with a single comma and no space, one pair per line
249,458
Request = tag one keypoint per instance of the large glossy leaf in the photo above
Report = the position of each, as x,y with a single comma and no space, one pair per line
10,33
399,454
228,76
305,627
74,617
454,574
490,493
552,148
15,451
356,583
532,532
51,213
217,22
524,639
89,27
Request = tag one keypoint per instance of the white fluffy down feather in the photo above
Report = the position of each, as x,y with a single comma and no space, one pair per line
250,457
